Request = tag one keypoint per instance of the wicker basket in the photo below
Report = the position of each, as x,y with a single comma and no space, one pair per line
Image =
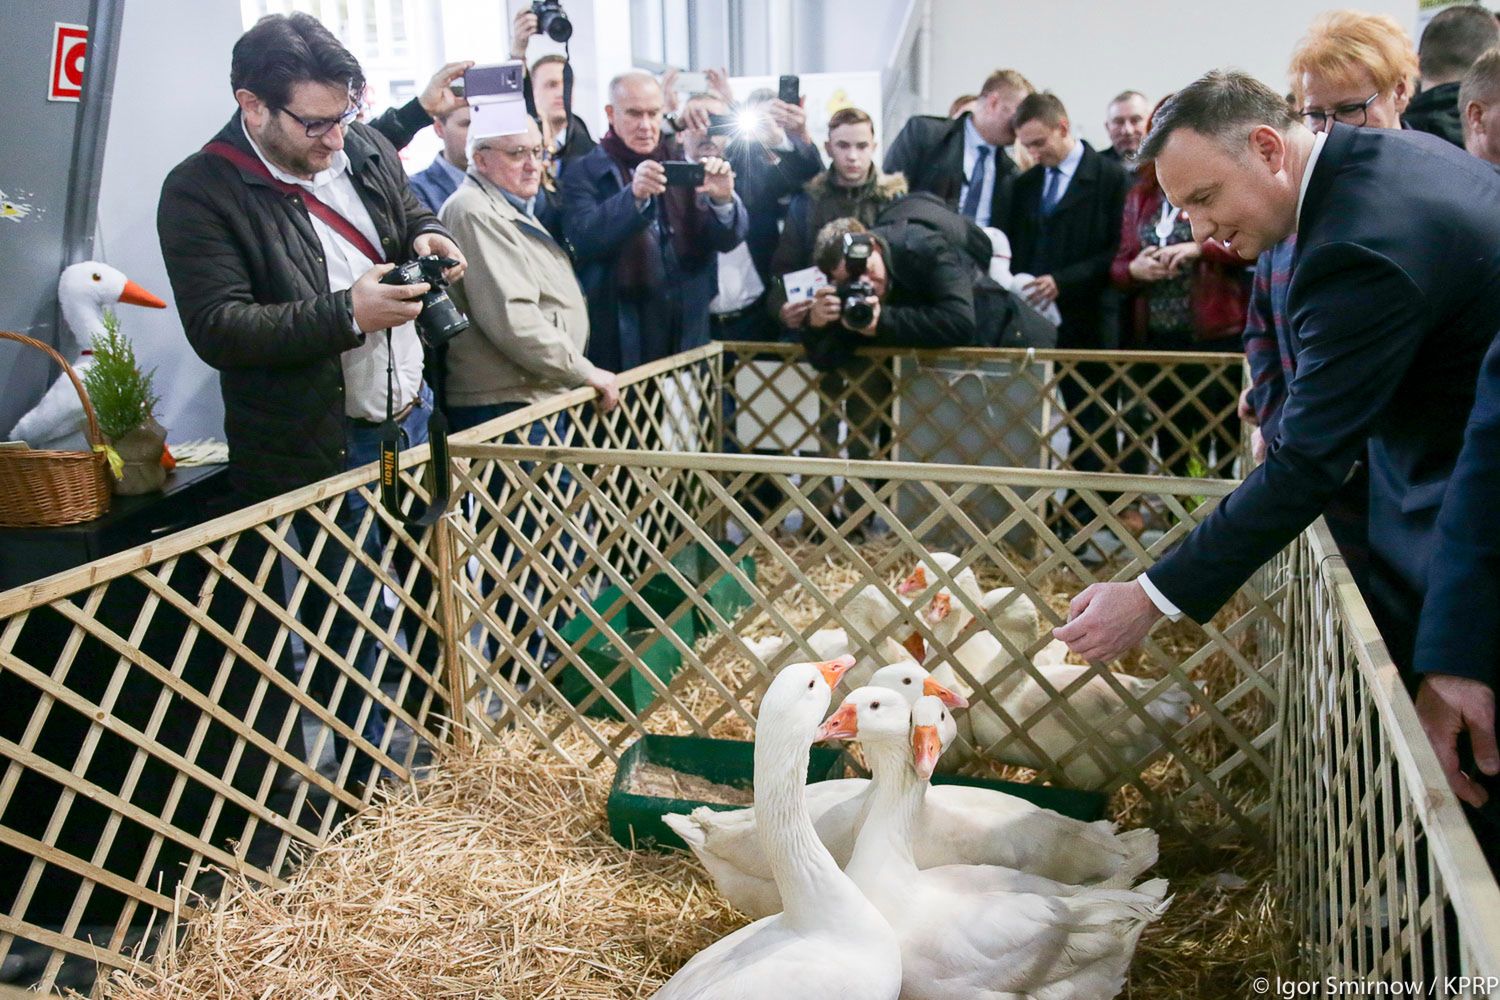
48,488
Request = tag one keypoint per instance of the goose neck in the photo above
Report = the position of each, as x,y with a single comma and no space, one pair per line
894,808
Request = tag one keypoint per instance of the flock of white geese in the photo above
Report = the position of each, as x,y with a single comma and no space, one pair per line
873,889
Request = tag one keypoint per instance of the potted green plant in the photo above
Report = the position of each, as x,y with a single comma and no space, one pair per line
125,405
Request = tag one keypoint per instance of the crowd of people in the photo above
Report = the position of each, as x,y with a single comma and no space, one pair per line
1203,223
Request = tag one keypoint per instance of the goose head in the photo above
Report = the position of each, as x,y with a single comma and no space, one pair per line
933,729
85,289
799,695
919,579
912,681
869,715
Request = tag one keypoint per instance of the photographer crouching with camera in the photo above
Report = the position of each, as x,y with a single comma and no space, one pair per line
282,238
898,285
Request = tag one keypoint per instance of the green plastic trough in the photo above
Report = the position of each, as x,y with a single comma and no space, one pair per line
636,820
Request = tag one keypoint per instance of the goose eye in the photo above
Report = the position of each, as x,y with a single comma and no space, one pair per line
874,704
97,278
810,685
906,680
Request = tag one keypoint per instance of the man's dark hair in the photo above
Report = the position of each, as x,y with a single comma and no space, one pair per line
1044,107
1454,38
283,50
1224,105
828,245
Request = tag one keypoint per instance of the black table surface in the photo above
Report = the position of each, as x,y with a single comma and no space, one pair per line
192,494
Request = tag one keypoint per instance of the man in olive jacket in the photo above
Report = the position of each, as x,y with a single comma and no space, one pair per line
275,237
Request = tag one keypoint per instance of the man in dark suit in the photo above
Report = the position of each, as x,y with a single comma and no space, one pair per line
1064,227
1458,643
1387,332
963,160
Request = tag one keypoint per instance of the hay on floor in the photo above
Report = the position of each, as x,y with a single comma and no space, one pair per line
493,877
476,883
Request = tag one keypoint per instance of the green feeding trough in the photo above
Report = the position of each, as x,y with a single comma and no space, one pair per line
642,795
635,818
637,633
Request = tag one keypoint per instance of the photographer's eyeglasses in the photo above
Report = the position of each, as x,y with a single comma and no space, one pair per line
1344,114
318,127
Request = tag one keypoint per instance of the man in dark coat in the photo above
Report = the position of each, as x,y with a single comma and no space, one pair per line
1383,327
963,160
1064,228
275,237
646,254
1452,40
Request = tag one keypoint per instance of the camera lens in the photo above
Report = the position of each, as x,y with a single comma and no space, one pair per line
858,312
551,21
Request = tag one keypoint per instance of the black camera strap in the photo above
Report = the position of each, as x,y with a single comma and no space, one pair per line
393,437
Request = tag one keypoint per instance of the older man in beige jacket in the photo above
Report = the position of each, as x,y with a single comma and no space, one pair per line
529,323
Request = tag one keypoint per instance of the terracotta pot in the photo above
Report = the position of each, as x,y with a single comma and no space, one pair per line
140,450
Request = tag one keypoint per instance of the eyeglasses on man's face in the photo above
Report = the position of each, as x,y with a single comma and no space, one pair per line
319,127
515,154
1345,114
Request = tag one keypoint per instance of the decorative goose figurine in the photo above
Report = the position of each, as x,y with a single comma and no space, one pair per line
975,931
961,825
83,291
829,941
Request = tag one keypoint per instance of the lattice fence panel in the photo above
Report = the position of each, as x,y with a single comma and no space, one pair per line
1382,873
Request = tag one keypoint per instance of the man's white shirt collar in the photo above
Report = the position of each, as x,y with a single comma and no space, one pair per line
1319,139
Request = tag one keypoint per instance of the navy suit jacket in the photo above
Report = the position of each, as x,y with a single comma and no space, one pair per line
1460,631
1394,298
433,185
929,150
1076,244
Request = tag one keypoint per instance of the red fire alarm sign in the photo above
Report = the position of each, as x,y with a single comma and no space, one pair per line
69,46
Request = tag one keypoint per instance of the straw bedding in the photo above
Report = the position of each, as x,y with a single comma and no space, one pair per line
475,883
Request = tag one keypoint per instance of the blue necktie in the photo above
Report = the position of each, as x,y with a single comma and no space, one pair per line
1049,196
976,183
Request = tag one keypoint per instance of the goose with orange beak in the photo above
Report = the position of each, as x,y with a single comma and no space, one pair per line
971,931
961,825
829,940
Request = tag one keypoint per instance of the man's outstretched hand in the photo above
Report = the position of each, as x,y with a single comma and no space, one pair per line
1107,619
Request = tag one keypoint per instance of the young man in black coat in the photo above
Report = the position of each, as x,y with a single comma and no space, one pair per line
1388,330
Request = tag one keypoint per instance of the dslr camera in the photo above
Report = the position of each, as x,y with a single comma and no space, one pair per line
439,321
551,21
856,288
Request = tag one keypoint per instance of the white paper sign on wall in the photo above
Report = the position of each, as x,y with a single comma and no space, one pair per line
69,47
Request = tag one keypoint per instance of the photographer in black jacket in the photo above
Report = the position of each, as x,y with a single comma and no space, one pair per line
923,292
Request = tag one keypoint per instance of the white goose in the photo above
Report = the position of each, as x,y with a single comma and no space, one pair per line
828,941
1023,698
867,611
962,825
972,932
83,290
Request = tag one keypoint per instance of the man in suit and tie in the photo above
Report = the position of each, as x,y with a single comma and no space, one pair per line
1064,227
445,173
1388,330
963,160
